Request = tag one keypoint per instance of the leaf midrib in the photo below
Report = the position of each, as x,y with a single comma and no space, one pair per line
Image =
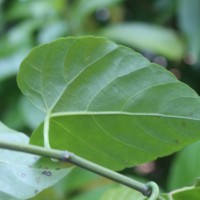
92,113
78,74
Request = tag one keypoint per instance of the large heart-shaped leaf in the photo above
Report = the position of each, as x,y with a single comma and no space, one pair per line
107,103
20,175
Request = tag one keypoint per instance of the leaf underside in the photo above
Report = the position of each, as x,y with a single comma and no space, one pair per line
107,103
23,176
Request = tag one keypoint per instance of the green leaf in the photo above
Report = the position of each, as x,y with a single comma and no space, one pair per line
82,9
52,30
124,193
184,193
188,16
31,115
147,37
187,162
107,103
9,66
21,177
94,193
78,185
74,183
79,10
31,9
90,186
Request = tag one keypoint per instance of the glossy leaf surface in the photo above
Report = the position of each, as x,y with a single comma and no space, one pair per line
21,175
107,103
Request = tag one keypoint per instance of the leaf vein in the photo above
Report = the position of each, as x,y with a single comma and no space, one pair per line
82,141
116,139
78,75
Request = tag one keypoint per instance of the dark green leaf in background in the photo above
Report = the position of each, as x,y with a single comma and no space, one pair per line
186,167
79,10
31,115
9,66
124,193
188,16
107,103
32,8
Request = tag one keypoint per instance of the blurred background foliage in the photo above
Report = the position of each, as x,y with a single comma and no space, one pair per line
165,31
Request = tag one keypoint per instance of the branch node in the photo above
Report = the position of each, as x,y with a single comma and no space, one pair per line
66,156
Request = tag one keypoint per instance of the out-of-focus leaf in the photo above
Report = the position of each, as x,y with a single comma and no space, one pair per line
185,168
31,115
79,10
185,193
73,181
92,194
31,8
82,9
189,15
164,10
9,65
21,177
16,43
13,117
52,30
106,102
147,37
124,193
6,69
19,38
